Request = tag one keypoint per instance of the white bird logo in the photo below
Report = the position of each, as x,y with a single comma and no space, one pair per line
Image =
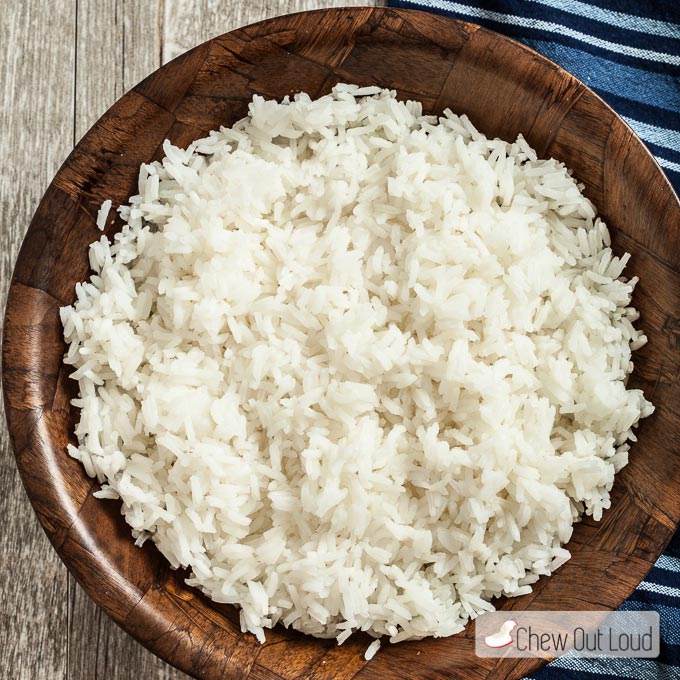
502,638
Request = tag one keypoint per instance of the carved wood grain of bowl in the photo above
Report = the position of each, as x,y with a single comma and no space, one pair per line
506,89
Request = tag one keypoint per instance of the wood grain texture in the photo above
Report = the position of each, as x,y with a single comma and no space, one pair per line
117,44
187,23
36,134
442,63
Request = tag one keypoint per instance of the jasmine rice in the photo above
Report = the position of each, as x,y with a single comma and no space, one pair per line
356,368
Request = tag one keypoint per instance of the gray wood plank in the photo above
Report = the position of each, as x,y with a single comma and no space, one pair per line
143,32
117,44
99,649
37,60
100,46
188,23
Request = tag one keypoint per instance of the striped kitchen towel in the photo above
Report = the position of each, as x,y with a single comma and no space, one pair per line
660,591
625,50
629,53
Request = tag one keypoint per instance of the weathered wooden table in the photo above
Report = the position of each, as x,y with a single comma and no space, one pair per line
62,64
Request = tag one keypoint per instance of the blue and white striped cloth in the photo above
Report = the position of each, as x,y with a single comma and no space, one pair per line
625,50
660,591
628,51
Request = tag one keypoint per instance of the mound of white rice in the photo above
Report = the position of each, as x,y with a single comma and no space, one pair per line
356,367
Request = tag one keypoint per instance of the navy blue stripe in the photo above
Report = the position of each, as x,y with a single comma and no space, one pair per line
663,10
670,655
656,593
641,599
524,33
663,577
601,669
615,17
612,668
673,548
551,673
609,32
613,77
674,179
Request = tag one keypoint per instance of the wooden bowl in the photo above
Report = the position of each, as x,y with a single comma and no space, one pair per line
506,89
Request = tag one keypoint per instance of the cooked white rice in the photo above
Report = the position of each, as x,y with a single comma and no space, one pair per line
356,367
103,214
372,650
